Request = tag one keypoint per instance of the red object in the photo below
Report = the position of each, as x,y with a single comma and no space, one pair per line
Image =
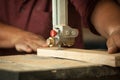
53,33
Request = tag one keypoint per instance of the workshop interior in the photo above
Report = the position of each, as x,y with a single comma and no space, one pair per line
58,63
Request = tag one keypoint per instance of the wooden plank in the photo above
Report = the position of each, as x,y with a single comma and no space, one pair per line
34,63
92,56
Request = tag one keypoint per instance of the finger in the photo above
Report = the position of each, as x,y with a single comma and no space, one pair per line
45,45
41,41
33,45
112,48
38,42
23,47
117,41
35,42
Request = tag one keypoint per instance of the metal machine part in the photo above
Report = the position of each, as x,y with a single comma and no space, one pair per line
62,34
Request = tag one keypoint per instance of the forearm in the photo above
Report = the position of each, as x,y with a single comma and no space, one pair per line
22,40
8,35
106,17
5,30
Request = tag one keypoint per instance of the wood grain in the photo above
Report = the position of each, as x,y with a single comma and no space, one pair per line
92,56
33,67
34,63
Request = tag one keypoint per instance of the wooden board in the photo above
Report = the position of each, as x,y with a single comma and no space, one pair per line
92,56
34,63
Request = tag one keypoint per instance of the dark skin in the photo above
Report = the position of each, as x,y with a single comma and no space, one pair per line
22,40
105,18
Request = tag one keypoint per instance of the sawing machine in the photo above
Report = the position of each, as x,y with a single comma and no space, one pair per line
61,34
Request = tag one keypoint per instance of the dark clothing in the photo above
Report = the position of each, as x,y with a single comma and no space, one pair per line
35,15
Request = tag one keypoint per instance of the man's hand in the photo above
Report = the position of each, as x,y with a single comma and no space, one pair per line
106,20
113,42
29,42
22,40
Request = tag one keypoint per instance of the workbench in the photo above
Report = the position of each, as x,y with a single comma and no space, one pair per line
33,67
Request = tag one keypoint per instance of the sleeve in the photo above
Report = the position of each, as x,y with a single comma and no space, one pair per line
2,11
85,8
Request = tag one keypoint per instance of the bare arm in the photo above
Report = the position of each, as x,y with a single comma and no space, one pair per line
106,19
22,40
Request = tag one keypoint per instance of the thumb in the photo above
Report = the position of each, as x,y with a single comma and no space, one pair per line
112,48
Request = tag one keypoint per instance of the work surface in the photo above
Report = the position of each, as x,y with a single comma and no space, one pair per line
32,67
